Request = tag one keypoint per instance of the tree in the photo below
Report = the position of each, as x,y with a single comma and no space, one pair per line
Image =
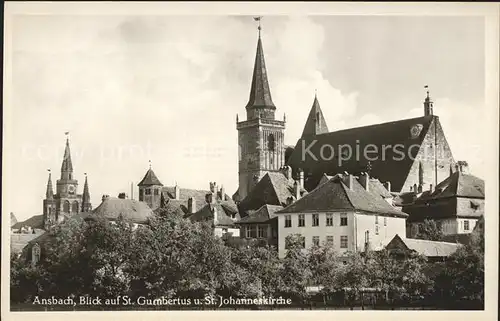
429,230
326,268
295,269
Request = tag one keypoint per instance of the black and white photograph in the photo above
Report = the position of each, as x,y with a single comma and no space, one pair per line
180,157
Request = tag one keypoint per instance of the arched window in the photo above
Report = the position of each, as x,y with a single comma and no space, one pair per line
271,142
75,207
66,207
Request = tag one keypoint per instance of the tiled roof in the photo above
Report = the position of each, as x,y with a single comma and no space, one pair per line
150,179
263,214
389,169
130,210
35,221
426,247
456,185
378,189
260,95
200,197
457,238
207,213
336,196
315,123
273,189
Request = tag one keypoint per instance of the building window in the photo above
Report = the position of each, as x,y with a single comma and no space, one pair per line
343,242
302,220
261,231
66,207
288,221
367,237
329,240
247,231
148,191
329,219
385,221
74,208
315,240
343,220
466,225
156,191
252,232
376,219
376,229
315,219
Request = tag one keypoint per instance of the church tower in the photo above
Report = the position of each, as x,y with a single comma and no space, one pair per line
86,205
260,137
68,201
150,189
49,205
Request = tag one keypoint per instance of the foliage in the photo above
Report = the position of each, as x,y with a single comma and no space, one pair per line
429,230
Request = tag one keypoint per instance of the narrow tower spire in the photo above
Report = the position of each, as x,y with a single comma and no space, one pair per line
86,206
260,94
49,194
67,164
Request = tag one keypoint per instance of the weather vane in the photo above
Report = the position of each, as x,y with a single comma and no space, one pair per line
149,164
258,19
427,87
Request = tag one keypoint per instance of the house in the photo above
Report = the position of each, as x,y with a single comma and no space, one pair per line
261,224
455,204
342,212
133,211
221,213
433,250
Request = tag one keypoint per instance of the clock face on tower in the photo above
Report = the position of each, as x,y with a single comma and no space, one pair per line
71,189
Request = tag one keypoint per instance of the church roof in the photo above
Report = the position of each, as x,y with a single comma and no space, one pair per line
131,210
86,193
263,214
396,134
315,123
67,165
150,179
49,193
260,94
272,189
335,196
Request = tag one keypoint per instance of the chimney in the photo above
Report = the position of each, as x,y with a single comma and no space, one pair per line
122,196
296,189
431,188
105,197
348,180
222,193
364,179
420,188
191,205
463,167
287,171
301,178
177,191
387,186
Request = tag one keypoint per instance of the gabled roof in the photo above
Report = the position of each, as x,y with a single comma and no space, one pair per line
456,185
391,168
150,179
260,95
263,214
315,123
131,210
13,219
335,196
425,247
272,189
207,213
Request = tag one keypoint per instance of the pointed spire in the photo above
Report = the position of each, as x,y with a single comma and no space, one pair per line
315,123
67,165
49,194
150,178
86,194
260,94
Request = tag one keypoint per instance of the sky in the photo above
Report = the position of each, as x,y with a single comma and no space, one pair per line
130,89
